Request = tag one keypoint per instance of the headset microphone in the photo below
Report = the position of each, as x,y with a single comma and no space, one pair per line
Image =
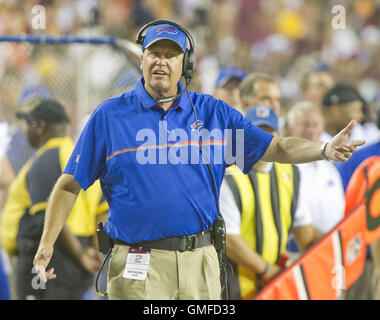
167,99
172,98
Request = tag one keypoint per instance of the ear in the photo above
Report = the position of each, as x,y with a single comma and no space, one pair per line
244,103
334,110
141,61
42,126
287,129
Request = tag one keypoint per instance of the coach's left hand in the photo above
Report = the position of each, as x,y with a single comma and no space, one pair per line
341,147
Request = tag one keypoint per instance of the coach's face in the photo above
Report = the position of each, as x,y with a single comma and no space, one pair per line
161,64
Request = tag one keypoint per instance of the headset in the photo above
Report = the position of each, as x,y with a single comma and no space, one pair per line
188,63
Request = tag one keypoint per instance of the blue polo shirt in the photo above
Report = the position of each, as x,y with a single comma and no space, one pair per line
149,161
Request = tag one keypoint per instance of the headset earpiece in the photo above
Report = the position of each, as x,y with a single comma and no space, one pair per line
188,65
140,39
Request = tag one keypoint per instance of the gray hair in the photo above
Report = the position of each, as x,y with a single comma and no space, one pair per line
246,86
301,107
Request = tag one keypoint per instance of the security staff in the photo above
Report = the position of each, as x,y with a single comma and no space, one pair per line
162,205
23,215
260,209
227,86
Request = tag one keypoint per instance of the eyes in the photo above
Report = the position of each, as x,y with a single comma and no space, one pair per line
168,55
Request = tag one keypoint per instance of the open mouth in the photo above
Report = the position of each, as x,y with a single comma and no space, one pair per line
160,73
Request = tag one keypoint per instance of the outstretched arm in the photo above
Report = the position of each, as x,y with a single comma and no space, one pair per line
298,150
58,209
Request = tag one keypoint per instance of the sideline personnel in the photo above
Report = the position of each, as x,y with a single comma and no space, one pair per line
23,215
167,206
227,86
260,210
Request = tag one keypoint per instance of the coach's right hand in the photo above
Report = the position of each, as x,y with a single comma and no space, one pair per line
41,260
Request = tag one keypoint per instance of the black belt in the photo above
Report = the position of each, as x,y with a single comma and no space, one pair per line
184,243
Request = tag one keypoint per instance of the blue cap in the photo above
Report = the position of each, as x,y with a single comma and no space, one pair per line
262,116
33,92
164,31
228,73
321,67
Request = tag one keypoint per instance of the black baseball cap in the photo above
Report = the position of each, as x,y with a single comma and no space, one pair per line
49,110
341,94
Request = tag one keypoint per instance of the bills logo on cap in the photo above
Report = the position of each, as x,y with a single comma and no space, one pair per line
262,112
167,30
197,125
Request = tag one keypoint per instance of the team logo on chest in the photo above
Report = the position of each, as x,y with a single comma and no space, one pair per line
196,125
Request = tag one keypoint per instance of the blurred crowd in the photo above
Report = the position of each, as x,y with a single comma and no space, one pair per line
284,38
289,44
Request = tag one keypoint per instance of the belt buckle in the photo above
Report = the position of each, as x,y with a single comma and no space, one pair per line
188,243
192,242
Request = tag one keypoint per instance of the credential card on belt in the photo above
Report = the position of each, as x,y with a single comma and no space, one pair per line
137,263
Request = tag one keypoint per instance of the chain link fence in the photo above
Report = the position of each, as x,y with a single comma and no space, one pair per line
80,73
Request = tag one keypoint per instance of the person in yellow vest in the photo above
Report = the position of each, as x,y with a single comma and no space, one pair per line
24,212
260,209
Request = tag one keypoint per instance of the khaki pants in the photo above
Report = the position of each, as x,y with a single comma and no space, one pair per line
171,275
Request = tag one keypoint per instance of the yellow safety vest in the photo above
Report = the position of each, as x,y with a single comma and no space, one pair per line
82,219
267,203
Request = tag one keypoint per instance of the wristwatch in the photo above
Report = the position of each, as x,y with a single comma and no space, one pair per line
265,271
323,151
